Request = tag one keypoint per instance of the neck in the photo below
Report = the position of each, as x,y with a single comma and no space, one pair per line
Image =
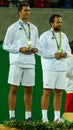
24,20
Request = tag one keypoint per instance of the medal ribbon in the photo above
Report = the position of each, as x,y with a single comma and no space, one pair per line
28,35
60,41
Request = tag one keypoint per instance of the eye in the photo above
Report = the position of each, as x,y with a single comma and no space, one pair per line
26,10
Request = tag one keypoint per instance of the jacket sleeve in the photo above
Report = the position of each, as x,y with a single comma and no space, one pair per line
43,49
8,43
69,72
67,49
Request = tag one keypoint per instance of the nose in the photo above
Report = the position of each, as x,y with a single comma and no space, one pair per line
60,24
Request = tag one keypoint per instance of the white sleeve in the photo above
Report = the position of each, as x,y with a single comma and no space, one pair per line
8,44
67,49
69,72
43,49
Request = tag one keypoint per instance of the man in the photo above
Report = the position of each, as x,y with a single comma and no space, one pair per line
69,83
20,41
54,49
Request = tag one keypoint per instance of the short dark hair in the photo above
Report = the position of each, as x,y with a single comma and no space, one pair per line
21,5
51,19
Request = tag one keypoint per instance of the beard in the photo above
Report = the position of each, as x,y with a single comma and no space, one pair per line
57,29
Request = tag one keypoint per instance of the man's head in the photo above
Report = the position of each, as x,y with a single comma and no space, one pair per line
24,11
55,22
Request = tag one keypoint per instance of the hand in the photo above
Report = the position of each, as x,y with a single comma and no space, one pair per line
24,50
64,55
34,50
58,55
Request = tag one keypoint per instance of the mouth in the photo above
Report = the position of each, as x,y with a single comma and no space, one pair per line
59,26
